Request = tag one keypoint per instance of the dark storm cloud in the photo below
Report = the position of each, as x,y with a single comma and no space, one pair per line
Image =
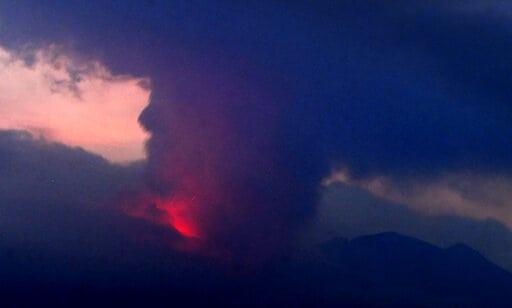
423,82
378,92
60,201
256,102
34,168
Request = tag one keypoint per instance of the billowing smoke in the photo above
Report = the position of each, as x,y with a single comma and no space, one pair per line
228,166
253,103
251,112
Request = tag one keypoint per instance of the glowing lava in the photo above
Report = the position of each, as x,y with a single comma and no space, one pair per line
175,212
179,216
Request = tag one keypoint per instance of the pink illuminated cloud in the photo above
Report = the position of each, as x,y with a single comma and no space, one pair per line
78,103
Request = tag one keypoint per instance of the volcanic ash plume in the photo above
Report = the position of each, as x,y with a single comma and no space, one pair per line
227,167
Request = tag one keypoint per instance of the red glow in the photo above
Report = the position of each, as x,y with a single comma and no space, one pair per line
177,213
180,217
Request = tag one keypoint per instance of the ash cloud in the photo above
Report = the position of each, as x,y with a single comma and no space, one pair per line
253,135
253,105
218,141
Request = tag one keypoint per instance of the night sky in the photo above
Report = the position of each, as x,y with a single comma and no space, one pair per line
137,135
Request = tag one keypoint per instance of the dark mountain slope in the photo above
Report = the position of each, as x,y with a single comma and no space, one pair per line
403,269
381,270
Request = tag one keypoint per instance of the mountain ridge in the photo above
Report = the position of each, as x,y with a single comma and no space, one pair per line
378,270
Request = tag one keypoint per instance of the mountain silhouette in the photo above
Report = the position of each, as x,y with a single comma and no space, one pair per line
396,269
380,270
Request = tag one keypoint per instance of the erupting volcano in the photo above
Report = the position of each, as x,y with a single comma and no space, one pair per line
180,217
226,168
174,212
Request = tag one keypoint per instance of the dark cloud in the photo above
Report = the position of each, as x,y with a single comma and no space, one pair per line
275,100
57,200
253,104
423,82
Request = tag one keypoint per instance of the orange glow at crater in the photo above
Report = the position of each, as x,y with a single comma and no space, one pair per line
177,213
180,217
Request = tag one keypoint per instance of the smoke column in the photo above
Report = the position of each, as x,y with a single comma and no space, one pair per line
252,105
228,164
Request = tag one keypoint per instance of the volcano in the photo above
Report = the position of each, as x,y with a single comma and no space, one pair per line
380,270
